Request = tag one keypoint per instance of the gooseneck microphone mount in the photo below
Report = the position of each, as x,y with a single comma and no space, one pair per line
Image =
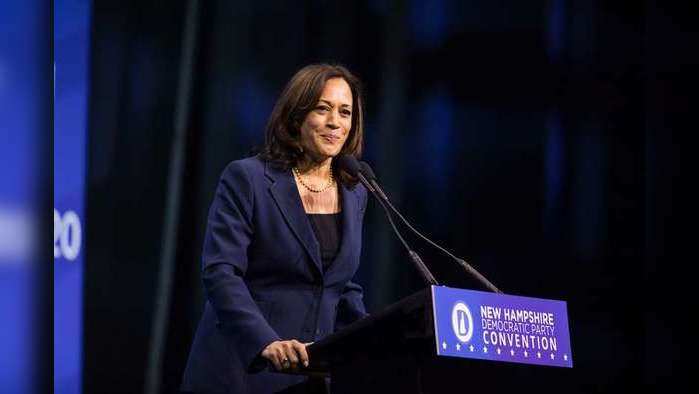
368,174
351,166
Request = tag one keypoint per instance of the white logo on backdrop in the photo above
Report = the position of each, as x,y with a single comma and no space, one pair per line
67,235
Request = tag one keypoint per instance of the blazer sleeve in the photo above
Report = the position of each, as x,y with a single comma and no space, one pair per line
225,261
351,305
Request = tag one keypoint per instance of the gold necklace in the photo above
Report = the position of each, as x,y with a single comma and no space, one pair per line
297,174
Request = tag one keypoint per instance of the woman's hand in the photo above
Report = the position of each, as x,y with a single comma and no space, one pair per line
286,354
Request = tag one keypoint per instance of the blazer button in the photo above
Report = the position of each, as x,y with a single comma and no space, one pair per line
318,331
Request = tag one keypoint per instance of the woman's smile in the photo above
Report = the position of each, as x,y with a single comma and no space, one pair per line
331,138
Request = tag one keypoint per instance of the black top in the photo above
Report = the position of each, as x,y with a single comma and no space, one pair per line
328,230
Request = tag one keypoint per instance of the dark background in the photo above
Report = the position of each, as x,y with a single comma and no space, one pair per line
540,140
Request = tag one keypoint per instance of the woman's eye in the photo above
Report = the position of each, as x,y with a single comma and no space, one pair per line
321,108
346,113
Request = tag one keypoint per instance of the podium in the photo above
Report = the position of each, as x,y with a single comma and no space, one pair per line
440,339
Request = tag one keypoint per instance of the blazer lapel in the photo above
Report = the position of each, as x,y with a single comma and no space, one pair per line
286,196
350,212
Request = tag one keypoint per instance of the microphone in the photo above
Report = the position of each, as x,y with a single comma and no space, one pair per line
350,165
365,169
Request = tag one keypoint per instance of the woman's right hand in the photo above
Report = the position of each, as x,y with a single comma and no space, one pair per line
286,354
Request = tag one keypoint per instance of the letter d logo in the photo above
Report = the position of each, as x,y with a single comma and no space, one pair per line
462,322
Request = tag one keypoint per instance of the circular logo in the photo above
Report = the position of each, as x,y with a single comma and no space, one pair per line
462,322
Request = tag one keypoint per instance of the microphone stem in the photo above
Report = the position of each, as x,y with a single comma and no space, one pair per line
467,267
417,261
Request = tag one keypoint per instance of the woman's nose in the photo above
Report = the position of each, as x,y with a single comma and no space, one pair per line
330,122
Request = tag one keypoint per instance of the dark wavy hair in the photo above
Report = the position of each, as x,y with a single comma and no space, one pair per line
282,136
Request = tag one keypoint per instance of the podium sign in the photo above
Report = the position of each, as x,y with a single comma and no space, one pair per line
498,327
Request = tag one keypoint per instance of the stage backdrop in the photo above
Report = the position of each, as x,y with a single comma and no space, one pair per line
71,43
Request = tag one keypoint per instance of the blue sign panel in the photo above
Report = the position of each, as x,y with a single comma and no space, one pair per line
71,43
490,326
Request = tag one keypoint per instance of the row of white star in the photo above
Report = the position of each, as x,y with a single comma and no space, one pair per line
498,350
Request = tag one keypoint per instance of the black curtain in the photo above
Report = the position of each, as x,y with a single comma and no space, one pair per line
538,140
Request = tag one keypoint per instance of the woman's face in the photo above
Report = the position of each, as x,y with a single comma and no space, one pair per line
326,127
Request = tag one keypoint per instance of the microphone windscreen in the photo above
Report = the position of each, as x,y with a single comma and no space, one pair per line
349,164
365,168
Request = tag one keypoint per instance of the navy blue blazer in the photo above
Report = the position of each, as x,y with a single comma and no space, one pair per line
264,278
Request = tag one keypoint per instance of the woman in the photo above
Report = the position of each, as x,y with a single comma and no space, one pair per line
283,242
